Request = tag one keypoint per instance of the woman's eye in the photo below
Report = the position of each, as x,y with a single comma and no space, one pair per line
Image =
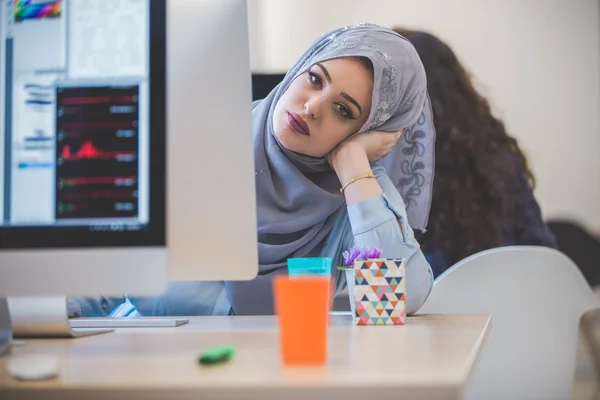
344,111
315,79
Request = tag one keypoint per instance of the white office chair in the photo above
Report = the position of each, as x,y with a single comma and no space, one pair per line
536,297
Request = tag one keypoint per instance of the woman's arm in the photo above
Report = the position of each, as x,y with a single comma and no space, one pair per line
378,218
182,298
253,297
375,222
92,306
349,162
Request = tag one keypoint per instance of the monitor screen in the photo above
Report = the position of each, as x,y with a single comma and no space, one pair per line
263,84
82,123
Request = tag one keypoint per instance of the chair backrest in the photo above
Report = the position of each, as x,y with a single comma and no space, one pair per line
536,296
590,327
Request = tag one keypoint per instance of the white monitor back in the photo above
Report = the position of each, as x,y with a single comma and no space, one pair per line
211,192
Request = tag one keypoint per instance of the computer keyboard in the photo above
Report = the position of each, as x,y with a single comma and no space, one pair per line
119,322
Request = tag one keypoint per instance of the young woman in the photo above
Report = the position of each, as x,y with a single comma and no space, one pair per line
344,155
483,191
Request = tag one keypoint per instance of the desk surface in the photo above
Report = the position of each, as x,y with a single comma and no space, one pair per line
430,357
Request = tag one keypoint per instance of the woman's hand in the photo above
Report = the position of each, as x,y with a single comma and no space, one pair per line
353,157
376,145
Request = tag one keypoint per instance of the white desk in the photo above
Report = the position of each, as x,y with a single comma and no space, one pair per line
431,357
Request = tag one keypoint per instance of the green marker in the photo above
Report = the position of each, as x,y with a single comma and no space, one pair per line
216,355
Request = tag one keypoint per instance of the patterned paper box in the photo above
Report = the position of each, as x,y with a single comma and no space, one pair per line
380,292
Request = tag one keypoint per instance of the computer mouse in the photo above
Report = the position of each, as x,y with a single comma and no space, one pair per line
33,367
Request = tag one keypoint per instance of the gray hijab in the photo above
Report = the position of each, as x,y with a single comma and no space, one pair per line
298,195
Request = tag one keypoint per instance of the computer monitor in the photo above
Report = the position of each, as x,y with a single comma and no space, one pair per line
126,152
264,83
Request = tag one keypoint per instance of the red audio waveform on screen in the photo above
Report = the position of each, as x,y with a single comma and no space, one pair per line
88,151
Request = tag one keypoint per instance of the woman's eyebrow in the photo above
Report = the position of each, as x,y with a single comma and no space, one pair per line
351,100
343,94
325,72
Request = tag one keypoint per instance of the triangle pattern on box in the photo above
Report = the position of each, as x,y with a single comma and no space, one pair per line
380,292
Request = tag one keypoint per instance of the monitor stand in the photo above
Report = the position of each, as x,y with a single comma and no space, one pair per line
5,327
44,317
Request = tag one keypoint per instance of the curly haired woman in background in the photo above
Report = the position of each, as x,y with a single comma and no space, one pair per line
483,187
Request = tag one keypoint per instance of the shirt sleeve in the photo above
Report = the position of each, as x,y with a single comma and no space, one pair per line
92,306
375,223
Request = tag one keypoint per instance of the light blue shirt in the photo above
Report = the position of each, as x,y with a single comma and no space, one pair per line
372,222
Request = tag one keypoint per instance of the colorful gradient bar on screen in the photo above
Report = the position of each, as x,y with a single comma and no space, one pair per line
36,9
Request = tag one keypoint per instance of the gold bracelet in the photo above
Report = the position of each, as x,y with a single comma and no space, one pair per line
357,178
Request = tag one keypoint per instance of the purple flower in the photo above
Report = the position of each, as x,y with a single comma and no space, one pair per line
372,252
360,253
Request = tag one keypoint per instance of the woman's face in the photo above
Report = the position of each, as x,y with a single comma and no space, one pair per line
323,106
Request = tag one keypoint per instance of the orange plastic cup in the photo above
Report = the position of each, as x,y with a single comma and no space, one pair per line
302,305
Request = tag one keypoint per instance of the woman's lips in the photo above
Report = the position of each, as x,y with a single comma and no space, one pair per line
297,124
